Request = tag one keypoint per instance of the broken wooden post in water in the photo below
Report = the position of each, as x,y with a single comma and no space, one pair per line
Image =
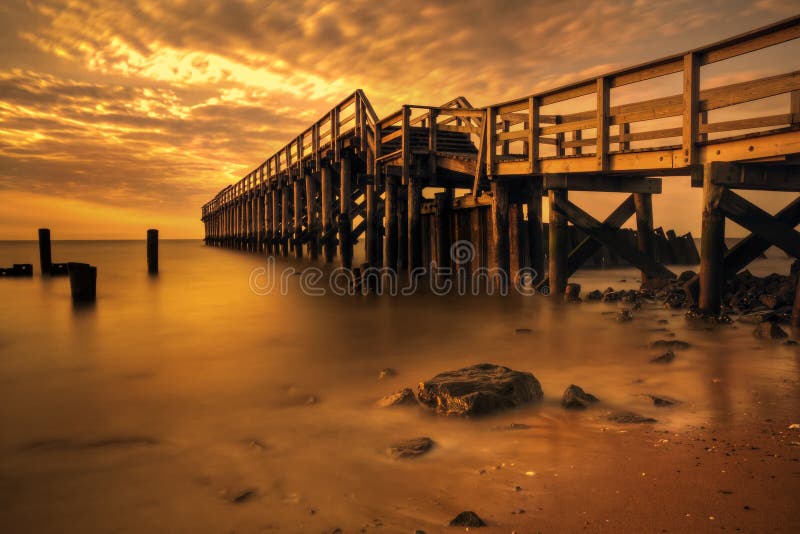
45,256
152,251
82,282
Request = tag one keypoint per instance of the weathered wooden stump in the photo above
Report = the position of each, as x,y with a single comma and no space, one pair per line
82,282
45,256
152,251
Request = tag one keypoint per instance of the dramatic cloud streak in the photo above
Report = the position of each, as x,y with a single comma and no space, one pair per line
150,107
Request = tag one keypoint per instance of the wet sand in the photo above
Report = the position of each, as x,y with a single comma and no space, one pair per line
188,404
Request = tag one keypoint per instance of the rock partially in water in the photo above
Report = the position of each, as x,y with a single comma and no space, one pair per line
667,357
673,344
662,401
628,418
243,496
623,316
479,389
769,330
572,293
757,317
523,331
513,426
403,397
410,448
594,295
467,519
575,398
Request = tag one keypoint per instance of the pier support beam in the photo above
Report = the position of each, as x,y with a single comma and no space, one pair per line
372,241
390,209
326,210
298,217
414,223
712,247
152,251
444,203
558,248
644,226
501,258
345,216
285,214
275,228
536,228
311,217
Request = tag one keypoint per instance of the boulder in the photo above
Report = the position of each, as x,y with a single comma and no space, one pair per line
410,448
467,519
623,316
594,295
404,396
386,372
769,330
575,398
479,389
662,401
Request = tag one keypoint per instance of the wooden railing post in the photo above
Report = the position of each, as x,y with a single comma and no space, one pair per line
533,135
491,140
603,115
691,107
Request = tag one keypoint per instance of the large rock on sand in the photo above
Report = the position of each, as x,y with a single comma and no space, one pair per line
479,389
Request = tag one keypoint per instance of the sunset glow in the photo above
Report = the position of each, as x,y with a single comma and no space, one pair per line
143,111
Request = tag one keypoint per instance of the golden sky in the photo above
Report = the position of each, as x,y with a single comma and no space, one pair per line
120,115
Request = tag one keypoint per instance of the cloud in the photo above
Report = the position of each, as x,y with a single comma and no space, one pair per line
146,103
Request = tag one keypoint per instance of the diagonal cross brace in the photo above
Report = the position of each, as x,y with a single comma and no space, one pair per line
589,246
610,237
760,223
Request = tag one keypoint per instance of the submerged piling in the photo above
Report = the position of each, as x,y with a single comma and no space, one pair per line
152,251
45,256
82,282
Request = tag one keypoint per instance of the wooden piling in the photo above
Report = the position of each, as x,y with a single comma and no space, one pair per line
298,217
326,210
402,228
390,208
643,203
345,216
152,251
557,244
311,217
276,220
45,255
285,214
500,237
371,199
535,228
444,202
796,307
414,223
82,282
712,248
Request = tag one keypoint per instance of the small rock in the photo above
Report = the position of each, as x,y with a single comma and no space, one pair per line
387,372
663,402
624,316
667,357
769,330
398,398
673,344
467,519
514,426
243,496
790,342
594,295
572,293
629,418
519,331
575,398
410,448
418,531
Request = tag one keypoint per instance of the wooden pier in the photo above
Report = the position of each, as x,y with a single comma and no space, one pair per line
414,182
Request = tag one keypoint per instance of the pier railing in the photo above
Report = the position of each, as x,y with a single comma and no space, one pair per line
542,145
352,117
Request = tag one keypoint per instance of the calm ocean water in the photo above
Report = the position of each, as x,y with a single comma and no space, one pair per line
154,409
